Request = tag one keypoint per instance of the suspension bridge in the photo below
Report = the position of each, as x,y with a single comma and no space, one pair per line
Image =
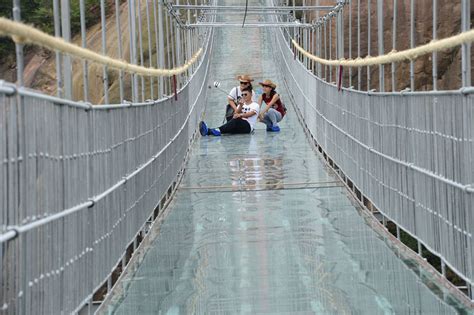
111,201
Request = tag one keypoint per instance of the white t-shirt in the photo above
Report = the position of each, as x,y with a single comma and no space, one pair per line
236,93
252,107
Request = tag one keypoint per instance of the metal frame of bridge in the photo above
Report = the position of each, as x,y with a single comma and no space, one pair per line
31,210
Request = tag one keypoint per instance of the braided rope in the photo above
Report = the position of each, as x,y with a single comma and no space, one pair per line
24,34
394,56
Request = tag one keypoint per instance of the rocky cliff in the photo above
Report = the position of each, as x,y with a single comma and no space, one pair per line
448,24
40,65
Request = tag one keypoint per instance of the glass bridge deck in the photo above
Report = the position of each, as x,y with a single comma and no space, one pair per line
260,225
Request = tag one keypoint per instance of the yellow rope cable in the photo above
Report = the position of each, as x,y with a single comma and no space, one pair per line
394,56
24,34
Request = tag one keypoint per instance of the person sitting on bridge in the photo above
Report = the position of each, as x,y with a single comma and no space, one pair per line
236,93
243,121
273,113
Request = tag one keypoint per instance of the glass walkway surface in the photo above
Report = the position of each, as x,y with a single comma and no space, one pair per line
259,224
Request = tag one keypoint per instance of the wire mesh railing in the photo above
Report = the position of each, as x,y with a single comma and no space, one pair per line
409,153
356,30
79,182
114,41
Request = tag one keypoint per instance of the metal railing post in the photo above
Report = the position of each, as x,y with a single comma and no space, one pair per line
359,69
380,43
150,55
178,44
350,41
189,51
330,47
66,34
160,46
140,47
85,68
466,47
18,47
412,43
105,75
57,33
169,61
368,42
325,50
434,56
133,47
120,48
171,42
394,43
340,15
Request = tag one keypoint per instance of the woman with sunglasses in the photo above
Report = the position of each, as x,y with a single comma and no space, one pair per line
236,93
243,121
275,110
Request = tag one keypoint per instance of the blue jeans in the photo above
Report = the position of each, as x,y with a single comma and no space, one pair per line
271,118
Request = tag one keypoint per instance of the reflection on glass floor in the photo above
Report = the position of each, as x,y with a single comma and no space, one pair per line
259,225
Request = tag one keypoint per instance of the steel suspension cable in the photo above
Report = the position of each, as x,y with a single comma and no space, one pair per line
245,13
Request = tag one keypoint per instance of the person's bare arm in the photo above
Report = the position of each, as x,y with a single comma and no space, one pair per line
275,98
232,103
239,106
245,115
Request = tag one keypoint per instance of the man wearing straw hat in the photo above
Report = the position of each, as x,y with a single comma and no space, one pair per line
236,93
243,121
275,110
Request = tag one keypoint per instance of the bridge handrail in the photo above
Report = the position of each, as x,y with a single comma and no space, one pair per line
303,86
82,182
394,56
25,34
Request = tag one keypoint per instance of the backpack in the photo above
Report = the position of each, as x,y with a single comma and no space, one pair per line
229,111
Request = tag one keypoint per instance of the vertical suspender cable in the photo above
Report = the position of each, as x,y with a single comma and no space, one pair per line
245,13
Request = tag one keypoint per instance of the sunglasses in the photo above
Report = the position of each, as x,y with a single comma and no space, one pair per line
245,94
244,83
264,85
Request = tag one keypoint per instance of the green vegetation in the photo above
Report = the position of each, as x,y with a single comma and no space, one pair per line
40,14
432,259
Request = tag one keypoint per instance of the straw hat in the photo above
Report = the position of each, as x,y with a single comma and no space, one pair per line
244,78
268,83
